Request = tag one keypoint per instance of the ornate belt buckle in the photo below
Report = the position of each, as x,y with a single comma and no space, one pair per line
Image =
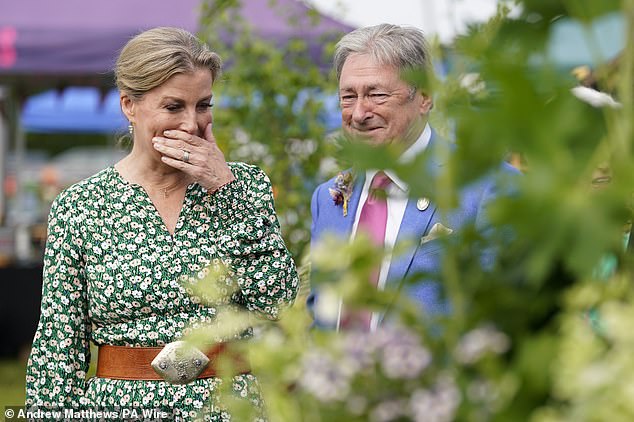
179,362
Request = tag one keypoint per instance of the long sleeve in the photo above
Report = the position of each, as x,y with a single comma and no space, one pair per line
60,354
251,243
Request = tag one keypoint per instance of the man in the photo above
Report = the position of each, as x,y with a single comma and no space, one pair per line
379,107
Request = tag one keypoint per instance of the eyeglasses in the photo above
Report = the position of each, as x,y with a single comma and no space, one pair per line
374,97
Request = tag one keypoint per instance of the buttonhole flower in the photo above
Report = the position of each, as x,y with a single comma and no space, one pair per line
341,191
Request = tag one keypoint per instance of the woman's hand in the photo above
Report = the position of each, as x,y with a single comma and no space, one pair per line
199,157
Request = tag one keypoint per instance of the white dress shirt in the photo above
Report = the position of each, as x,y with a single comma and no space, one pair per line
397,197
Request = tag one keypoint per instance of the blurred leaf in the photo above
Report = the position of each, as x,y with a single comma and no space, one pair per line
516,341
271,100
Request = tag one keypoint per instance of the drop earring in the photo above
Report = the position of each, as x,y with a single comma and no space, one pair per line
131,129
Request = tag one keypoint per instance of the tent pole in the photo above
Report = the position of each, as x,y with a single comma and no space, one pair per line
22,236
4,147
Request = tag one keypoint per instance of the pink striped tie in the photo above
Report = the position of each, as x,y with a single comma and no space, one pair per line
372,221
374,212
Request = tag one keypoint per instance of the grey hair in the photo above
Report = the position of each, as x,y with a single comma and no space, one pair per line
400,46
153,56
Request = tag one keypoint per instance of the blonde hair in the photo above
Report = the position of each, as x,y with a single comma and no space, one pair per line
153,56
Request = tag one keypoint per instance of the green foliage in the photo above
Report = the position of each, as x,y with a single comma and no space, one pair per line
272,98
517,344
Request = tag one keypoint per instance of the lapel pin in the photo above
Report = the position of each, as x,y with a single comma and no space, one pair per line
422,204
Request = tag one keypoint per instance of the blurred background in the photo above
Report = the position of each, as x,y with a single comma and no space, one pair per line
60,119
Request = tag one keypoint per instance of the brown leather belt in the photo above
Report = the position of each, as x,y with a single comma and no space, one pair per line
134,363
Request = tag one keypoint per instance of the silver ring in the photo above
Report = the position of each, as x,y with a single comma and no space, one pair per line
185,156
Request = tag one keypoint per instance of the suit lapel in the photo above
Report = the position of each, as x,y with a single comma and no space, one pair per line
415,223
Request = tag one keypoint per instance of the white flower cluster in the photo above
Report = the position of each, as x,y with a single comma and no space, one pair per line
300,149
393,351
595,98
480,341
325,377
438,404
250,150
472,82
401,354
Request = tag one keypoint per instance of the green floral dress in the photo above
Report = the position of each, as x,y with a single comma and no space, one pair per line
113,274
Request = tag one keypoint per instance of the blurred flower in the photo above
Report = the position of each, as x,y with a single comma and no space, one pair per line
479,390
300,149
398,349
328,374
472,83
359,350
324,377
405,361
595,98
250,150
476,343
389,410
582,73
327,166
327,306
357,404
436,405
390,334
484,393
401,353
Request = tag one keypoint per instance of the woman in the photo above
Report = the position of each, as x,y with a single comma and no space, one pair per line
125,245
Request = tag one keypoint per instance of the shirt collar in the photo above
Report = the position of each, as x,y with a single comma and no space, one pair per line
407,156
418,146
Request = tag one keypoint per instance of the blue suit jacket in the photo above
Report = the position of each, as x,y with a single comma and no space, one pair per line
420,258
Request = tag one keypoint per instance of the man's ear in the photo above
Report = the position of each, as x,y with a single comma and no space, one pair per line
127,106
426,104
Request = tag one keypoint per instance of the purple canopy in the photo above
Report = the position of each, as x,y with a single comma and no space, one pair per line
71,41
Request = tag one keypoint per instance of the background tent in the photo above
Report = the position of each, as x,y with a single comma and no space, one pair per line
44,43
85,109
48,45
74,109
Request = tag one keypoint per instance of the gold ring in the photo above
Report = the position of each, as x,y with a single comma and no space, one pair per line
185,156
